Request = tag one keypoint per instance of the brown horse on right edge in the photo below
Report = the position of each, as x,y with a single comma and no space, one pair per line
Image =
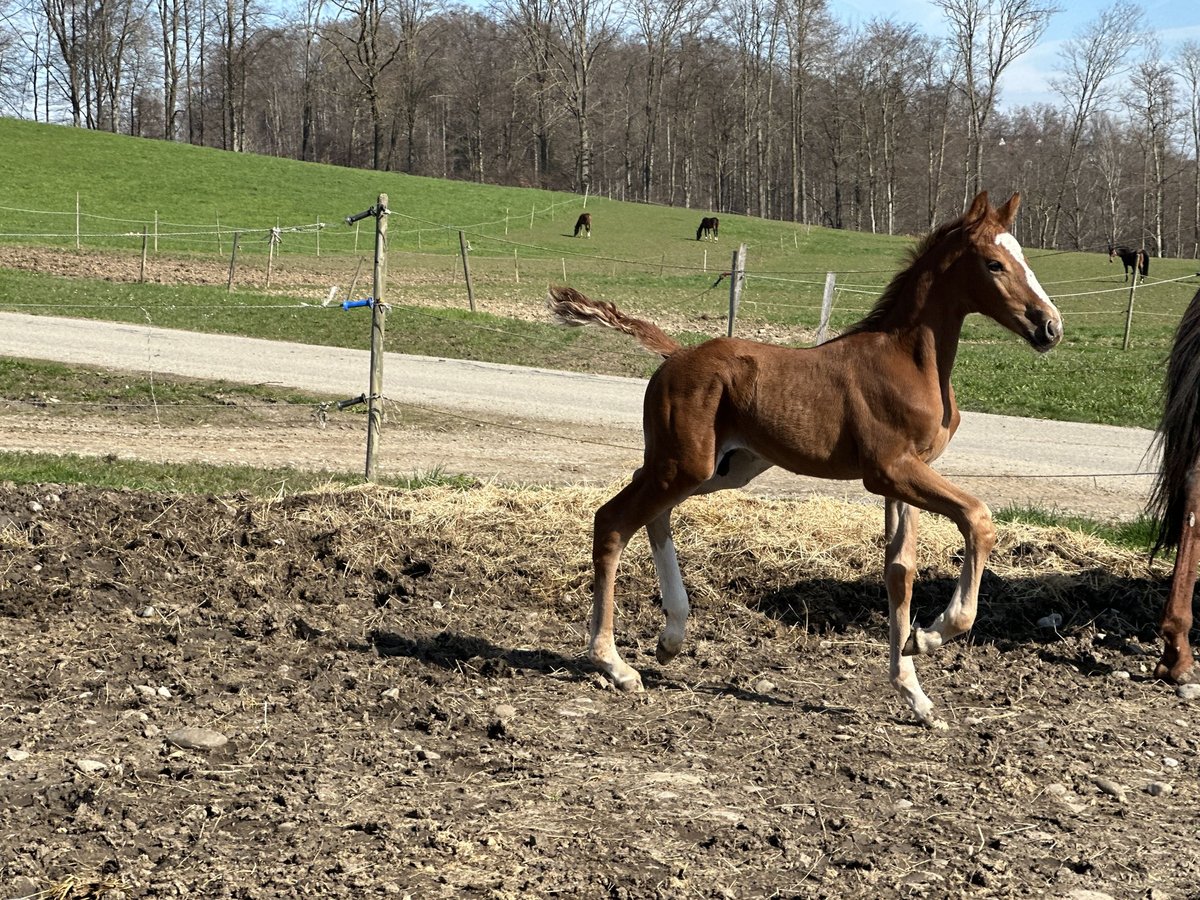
1175,500
875,403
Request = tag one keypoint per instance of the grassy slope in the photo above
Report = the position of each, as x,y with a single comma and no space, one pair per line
643,257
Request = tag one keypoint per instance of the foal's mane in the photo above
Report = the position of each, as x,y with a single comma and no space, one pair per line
898,290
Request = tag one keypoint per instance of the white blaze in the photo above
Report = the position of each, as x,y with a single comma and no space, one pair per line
1009,243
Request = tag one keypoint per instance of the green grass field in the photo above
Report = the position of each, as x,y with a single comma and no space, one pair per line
644,258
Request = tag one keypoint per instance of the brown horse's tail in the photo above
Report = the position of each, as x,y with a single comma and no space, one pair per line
572,308
1179,435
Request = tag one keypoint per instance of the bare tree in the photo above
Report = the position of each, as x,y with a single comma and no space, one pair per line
584,28
1090,60
754,27
414,70
533,21
369,46
1187,65
1154,110
660,23
806,26
988,36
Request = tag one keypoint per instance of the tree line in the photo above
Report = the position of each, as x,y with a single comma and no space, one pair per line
770,108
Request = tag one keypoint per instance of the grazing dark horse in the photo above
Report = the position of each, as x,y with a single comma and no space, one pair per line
1133,260
1175,500
710,226
875,403
584,223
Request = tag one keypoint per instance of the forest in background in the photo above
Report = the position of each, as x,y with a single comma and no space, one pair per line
770,108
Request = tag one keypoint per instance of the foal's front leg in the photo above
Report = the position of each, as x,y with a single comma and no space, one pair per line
912,481
900,565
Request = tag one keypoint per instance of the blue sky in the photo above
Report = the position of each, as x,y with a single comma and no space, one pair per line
1027,81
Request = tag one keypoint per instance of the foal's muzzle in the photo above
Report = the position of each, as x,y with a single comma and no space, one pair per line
1047,330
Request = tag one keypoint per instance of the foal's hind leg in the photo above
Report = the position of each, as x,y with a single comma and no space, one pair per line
900,565
736,469
644,500
1177,664
670,585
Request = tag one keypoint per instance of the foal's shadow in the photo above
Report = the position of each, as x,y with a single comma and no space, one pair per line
456,651
1113,611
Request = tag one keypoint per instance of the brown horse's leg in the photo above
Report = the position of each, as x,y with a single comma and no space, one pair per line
900,565
912,481
1176,664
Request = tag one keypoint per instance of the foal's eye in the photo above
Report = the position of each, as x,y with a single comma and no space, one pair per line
995,265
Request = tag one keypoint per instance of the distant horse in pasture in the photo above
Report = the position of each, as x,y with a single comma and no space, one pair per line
1175,500
709,227
584,224
1133,260
874,404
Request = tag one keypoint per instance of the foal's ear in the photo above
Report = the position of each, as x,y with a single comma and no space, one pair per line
978,209
1008,212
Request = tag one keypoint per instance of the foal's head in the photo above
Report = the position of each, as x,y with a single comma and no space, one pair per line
997,281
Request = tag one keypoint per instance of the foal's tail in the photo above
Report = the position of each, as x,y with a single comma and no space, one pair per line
1179,434
572,308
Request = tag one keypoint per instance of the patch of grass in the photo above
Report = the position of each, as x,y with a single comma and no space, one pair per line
1137,534
194,478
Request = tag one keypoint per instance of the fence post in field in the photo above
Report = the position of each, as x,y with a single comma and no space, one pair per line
378,314
142,270
274,238
826,306
462,246
737,275
237,235
77,220
516,265
156,231
219,250
1137,267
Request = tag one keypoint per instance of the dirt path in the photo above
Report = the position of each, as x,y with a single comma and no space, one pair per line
508,423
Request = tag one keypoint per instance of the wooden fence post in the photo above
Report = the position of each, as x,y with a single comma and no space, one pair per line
737,275
77,220
1132,290
237,235
142,271
462,246
378,311
826,306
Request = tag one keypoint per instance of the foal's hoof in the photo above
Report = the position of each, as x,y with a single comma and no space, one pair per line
1179,673
665,653
921,641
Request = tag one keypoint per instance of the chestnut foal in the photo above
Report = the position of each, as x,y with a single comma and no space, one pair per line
875,403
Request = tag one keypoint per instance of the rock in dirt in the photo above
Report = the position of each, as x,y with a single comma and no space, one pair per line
1110,787
192,738
1051,621
90,766
1188,692
505,712
1159,788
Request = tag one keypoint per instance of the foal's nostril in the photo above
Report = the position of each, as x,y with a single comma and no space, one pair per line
1049,332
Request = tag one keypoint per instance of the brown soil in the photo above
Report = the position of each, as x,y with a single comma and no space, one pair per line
398,676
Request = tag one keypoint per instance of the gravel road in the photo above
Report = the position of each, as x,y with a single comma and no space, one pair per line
536,424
